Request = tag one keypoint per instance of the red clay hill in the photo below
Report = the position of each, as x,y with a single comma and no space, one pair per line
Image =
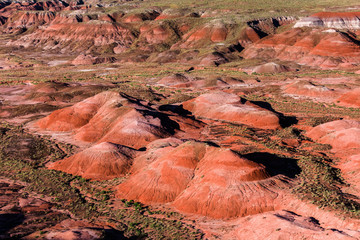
344,137
327,49
202,179
110,117
100,162
231,108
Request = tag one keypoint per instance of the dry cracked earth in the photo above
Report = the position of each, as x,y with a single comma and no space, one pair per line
179,119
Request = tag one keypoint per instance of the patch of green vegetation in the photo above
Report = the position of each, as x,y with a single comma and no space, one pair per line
289,132
238,130
323,112
319,182
177,98
22,110
315,121
139,91
52,183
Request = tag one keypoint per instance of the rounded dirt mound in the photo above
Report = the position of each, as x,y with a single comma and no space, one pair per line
229,107
200,179
166,176
340,134
49,87
76,116
309,89
350,99
270,68
175,79
84,59
228,186
100,162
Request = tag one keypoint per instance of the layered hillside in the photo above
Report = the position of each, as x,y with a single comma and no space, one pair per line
179,119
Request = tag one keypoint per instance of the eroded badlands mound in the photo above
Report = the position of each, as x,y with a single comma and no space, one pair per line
231,108
344,137
344,20
327,40
311,90
351,98
228,186
327,49
102,161
186,173
341,134
141,120
111,117
198,178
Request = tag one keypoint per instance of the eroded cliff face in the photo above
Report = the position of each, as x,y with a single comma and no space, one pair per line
342,20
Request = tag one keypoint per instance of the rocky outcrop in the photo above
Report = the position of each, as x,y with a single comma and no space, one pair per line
268,26
337,20
313,47
260,28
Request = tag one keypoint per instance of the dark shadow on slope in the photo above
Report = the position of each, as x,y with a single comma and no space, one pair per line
284,121
8,221
235,48
255,26
115,234
180,111
143,93
291,217
169,125
350,37
274,164
175,109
